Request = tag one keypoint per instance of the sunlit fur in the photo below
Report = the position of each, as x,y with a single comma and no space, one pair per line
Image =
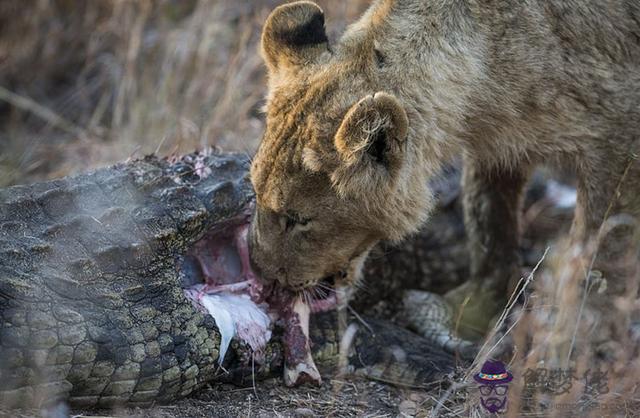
504,84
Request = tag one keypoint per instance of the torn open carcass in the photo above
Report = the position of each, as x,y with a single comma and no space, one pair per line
222,283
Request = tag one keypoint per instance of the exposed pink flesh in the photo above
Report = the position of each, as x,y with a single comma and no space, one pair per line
229,288
299,367
324,305
224,261
219,261
257,288
225,264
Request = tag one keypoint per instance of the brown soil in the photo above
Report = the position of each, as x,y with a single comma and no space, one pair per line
348,397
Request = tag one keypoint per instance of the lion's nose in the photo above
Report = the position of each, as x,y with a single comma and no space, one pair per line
281,275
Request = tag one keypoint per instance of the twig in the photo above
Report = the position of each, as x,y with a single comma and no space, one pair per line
253,375
440,404
343,349
44,113
362,321
512,301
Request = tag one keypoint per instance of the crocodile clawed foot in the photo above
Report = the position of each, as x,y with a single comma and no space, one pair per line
476,305
431,316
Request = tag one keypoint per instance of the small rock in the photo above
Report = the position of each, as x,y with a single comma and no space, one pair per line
408,408
303,413
59,410
416,397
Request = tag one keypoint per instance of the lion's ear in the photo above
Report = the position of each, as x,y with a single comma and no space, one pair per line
293,35
371,143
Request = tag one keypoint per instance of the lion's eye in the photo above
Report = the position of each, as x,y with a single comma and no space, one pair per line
293,219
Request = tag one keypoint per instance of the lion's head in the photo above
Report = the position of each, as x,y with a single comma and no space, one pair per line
336,171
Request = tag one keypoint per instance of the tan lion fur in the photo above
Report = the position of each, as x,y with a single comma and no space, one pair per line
356,129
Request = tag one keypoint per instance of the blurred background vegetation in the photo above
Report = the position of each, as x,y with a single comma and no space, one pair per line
88,83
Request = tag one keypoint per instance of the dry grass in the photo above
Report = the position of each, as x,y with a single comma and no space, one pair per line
84,84
89,83
555,321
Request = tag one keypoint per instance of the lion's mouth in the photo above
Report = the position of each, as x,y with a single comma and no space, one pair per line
323,296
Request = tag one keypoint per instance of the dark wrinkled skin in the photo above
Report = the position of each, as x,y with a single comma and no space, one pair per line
92,308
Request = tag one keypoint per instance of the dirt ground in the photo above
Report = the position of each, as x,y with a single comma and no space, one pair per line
347,397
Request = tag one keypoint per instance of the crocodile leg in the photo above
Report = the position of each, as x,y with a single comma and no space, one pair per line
492,205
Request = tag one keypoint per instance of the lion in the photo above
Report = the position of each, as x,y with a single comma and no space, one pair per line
356,128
